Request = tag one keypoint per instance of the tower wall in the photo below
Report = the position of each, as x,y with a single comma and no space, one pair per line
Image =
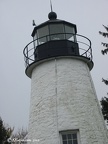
63,98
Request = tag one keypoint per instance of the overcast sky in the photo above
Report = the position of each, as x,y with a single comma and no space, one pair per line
15,33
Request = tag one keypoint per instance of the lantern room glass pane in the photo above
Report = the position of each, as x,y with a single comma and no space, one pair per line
43,35
70,33
57,32
35,40
35,36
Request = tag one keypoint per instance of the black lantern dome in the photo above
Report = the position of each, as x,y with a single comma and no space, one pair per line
56,38
52,15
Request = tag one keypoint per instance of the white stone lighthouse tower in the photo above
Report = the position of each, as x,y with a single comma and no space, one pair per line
64,108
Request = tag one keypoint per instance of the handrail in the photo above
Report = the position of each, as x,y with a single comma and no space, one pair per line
30,48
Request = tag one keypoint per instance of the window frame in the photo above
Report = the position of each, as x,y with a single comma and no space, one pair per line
56,33
70,132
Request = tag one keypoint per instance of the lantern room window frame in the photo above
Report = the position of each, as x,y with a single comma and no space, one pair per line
50,31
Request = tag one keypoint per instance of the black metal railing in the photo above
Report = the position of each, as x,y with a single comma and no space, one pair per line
84,44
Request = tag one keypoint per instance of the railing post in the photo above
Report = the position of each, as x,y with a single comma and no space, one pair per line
47,38
37,41
27,56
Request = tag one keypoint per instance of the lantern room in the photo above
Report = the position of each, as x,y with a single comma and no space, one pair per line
54,30
56,38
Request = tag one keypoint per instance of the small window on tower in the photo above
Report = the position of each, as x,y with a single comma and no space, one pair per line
69,137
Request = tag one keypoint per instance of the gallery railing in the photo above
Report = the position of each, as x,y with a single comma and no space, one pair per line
84,44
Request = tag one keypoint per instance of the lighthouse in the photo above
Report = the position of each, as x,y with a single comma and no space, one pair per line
64,108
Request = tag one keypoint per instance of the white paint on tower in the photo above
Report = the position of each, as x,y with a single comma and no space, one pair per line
63,98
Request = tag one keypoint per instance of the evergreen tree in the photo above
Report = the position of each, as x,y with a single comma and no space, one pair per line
104,101
105,34
5,132
104,104
7,136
